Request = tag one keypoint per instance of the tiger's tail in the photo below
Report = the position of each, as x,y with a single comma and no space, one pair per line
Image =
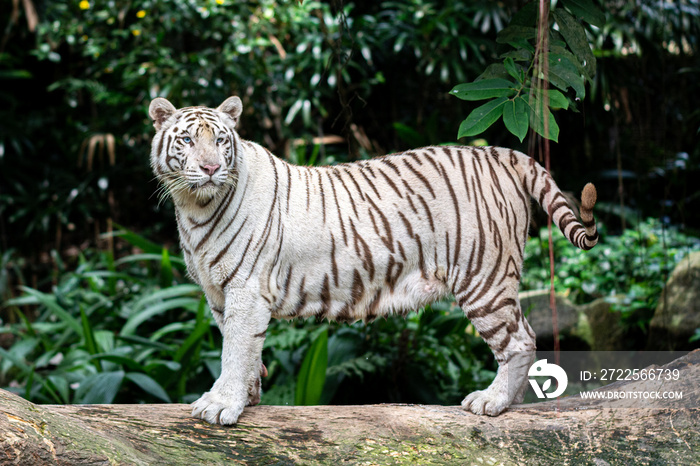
583,234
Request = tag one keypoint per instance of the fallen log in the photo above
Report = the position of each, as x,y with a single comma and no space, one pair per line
566,431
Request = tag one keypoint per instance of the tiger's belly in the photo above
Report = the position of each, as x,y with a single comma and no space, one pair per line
354,297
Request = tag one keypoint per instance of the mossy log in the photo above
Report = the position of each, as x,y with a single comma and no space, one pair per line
567,431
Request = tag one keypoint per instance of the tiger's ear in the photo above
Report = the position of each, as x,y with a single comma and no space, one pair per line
233,107
160,110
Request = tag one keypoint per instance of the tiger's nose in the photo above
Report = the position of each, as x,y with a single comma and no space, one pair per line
209,169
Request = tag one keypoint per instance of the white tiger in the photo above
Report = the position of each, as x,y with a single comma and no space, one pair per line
353,241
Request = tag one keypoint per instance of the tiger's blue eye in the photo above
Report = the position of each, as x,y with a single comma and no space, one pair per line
187,139
220,141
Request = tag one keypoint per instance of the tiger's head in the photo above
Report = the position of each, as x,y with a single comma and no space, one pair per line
194,150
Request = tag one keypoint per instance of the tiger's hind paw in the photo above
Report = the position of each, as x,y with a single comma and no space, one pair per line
487,402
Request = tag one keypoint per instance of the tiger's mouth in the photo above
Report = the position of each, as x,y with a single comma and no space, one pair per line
196,188
206,187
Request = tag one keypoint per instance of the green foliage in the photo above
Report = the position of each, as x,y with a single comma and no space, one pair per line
696,336
446,39
110,332
629,270
259,50
565,60
432,356
312,375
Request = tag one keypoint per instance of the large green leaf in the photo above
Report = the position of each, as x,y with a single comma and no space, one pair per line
139,241
190,348
494,70
88,336
148,385
104,340
58,384
178,291
148,343
516,116
170,365
175,327
312,375
175,260
166,270
484,89
183,291
50,302
518,55
515,33
513,70
140,317
197,334
585,10
18,360
560,54
563,75
119,359
482,117
576,39
539,114
555,99
99,388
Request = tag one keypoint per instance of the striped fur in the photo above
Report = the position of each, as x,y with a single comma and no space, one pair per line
353,241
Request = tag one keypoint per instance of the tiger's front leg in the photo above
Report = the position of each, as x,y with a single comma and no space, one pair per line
243,327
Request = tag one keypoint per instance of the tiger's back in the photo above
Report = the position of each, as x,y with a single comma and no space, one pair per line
361,240
396,232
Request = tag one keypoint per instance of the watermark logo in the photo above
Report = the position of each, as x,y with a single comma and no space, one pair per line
542,368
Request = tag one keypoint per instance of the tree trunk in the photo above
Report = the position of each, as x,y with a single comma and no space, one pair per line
568,431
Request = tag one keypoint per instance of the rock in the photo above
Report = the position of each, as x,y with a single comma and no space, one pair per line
602,327
573,335
678,312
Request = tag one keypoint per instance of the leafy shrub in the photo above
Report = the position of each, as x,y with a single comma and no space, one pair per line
113,331
432,356
561,56
629,270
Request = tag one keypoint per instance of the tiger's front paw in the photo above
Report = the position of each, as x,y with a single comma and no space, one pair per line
217,409
490,402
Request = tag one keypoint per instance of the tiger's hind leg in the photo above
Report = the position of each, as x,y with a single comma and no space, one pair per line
501,324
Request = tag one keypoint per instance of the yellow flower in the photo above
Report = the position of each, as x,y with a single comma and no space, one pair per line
141,13
136,32
219,2
84,5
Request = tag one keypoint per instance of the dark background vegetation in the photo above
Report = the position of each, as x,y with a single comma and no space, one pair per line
95,312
